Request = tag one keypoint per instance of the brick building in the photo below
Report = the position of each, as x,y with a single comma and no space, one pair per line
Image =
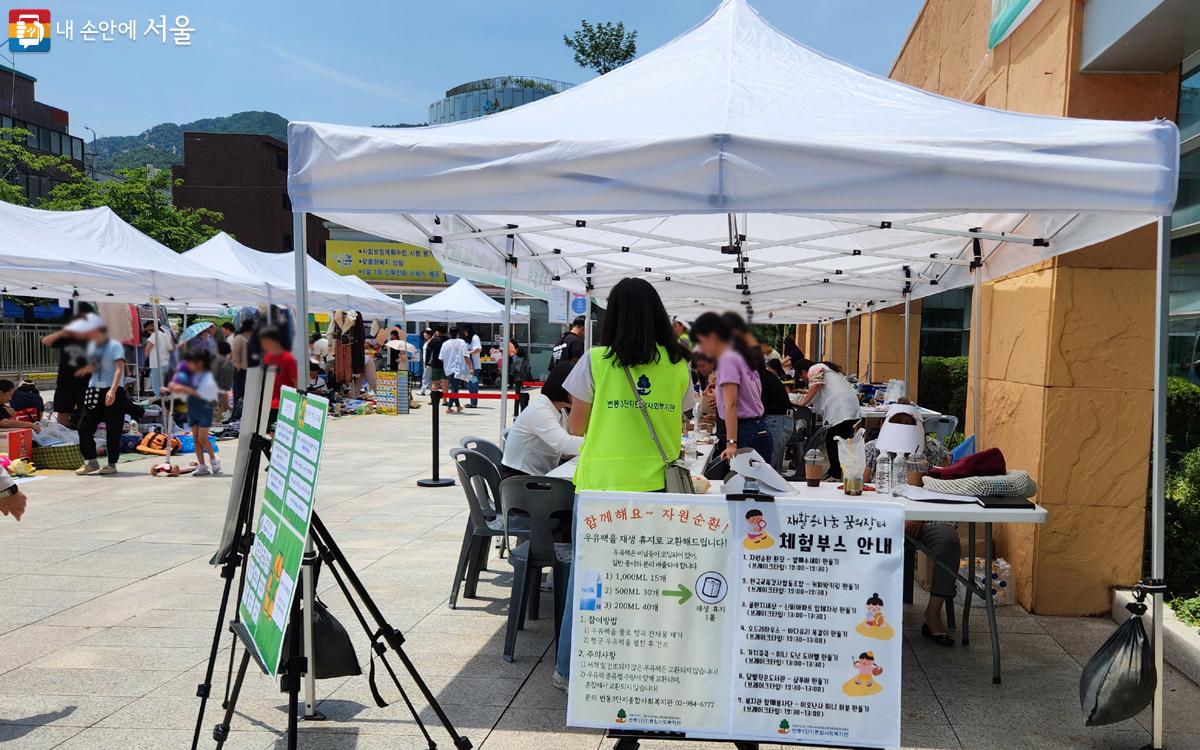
245,178
47,126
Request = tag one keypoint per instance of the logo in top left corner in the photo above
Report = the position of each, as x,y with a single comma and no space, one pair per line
29,30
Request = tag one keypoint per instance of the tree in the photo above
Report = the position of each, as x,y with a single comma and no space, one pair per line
17,161
603,47
141,197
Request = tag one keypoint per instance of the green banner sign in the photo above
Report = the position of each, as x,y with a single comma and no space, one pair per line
283,524
1006,16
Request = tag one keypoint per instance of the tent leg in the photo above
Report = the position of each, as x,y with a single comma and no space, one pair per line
977,344
508,271
587,323
847,365
871,344
300,352
907,346
1159,467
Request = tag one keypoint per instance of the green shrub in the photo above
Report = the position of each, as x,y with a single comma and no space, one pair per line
1183,417
1187,610
943,385
1183,525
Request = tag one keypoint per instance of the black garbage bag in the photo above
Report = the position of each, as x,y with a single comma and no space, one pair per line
334,653
1118,681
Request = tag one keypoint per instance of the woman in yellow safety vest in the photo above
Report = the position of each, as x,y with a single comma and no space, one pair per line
618,451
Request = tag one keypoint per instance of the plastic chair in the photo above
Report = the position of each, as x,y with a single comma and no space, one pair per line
963,449
480,481
942,425
546,505
490,450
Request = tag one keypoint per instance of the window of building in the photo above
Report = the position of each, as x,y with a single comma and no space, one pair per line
281,161
1183,338
77,149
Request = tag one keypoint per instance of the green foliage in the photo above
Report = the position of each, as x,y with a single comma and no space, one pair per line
953,440
141,197
1187,610
944,385
603,47
16,161
162,145
1183,416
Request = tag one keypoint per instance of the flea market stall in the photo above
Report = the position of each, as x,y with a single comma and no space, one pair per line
736,167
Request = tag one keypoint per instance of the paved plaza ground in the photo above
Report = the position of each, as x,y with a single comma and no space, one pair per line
107,606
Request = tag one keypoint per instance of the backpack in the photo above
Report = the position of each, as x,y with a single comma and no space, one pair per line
156,444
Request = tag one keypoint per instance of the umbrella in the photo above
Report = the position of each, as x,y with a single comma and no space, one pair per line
194,330
397,344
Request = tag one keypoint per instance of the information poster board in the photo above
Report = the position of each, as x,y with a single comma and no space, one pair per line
770,622
391,392
283,523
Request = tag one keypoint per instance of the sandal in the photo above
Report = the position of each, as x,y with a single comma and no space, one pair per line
941,639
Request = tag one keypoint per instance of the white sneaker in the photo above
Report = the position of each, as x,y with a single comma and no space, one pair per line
560,682
201,471
216,466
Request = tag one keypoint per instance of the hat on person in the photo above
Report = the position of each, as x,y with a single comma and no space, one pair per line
85,324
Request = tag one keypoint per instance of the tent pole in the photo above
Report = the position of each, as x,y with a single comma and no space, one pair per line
1162,305
907,365
847,365
977,343
587,309
870,342
300,352
508,271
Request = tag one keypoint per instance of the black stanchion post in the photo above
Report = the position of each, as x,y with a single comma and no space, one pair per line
436,480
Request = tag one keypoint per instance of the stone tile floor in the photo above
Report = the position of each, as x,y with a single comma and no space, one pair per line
107,606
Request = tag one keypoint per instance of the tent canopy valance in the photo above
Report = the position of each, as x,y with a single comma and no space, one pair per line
735,165
326,289
462,302
97,255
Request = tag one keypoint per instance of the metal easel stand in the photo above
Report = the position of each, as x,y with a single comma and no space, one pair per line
382,635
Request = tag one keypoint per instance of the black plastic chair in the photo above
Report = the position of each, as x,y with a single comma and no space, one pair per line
490,450
480,480
546,505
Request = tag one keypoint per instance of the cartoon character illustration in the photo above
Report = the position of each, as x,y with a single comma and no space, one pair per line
875,626
864,684
756,531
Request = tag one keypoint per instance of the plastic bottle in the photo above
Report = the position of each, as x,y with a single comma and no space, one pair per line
883,475
899,483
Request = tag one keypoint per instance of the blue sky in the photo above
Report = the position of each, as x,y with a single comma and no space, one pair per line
374,61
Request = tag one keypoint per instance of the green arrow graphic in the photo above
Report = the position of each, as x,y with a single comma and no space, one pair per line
683,592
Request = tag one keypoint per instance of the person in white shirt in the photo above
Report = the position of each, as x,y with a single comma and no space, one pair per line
538,440
475,346
457,362
835,399
158,348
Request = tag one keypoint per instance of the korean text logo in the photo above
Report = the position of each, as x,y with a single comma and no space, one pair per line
28,30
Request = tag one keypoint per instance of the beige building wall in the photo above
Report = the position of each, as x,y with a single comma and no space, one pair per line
1067,345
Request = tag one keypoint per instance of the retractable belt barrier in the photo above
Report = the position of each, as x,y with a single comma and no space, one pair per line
437,480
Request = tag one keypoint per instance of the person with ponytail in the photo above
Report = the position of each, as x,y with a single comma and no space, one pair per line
738,386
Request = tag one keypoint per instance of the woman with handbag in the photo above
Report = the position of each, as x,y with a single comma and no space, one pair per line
628,396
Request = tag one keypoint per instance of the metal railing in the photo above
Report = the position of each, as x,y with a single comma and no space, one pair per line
22,353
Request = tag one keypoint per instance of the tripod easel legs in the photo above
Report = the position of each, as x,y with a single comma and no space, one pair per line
221,731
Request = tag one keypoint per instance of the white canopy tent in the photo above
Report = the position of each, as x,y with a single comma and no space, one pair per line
735,165
462,302
326,289
97,255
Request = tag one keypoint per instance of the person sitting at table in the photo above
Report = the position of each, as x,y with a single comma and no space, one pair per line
538,440
832,395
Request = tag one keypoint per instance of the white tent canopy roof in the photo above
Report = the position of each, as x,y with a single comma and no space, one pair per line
837,179
461,302
326,289
97,254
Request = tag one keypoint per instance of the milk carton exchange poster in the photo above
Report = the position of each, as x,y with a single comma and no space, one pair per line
768,621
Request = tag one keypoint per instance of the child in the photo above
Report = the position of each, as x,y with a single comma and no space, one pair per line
195,381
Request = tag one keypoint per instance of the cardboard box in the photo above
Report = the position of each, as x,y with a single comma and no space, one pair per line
17,442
